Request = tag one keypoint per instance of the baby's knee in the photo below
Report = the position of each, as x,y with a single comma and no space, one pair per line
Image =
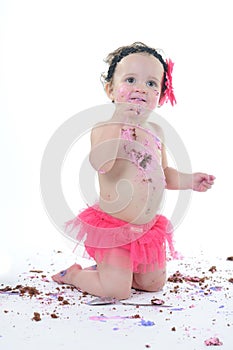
156,286
122,294
150,282
118,292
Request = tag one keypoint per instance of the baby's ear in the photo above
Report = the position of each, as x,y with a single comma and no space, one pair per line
109,90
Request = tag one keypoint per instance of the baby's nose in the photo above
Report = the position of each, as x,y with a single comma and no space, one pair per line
140,88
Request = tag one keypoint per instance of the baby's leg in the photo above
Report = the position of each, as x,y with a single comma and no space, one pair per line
150,281
109,279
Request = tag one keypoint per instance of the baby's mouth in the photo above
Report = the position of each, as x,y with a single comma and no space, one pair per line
137,100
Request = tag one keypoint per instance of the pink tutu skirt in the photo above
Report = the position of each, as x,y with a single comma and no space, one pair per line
100,232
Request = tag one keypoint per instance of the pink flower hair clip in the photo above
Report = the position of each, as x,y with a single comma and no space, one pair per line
168,94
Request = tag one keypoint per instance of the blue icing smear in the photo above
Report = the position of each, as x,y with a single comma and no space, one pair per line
146,323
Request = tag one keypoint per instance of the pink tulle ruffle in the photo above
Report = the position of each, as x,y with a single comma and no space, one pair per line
146,244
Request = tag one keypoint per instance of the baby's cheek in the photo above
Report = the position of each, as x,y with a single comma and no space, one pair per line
123,93
154,101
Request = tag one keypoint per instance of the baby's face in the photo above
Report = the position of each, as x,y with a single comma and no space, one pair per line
138,79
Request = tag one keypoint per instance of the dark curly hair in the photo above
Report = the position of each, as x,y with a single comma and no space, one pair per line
138,47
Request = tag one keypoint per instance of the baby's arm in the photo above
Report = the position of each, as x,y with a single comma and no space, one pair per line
104,146
105,137
176,180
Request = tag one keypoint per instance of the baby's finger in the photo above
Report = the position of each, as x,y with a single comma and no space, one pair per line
211,179
206,185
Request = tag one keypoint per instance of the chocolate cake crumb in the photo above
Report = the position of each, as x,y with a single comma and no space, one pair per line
178,277
32,291
6,289
54,316
18,286
230,258
36,271
155,301
213,269
230,280
36,317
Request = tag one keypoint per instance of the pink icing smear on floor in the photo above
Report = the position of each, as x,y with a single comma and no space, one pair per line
213,341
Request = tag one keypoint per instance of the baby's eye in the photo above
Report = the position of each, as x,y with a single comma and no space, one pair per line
130,80
152,84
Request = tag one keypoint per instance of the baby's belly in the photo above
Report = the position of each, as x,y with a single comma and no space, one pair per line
135,197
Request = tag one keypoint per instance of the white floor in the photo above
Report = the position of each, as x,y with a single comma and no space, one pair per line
192,312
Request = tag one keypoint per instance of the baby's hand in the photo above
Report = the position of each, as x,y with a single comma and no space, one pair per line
130,113
202,182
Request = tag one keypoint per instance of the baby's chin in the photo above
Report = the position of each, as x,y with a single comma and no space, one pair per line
143,105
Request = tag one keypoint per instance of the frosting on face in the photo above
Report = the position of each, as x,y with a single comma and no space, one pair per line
138,80
125,93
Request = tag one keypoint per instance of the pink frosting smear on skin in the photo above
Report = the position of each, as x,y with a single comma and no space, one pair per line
128,134
123,93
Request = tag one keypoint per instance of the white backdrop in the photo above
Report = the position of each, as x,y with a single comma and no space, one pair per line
51,59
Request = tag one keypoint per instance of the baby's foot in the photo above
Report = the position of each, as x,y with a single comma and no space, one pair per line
67,276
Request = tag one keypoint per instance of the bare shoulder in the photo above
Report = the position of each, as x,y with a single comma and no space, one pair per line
155,128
